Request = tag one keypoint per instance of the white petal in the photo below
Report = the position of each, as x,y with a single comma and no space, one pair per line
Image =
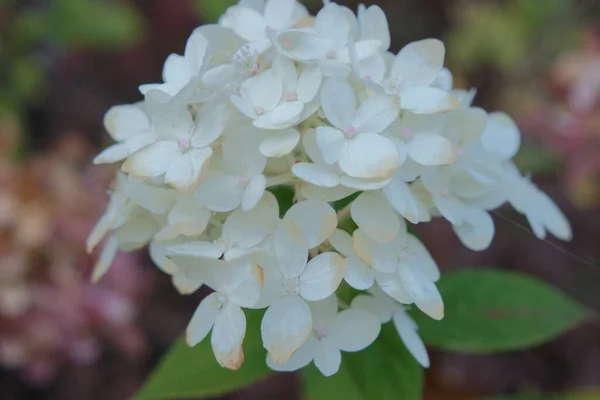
244,106
285,327
210,124
246,229
188,217
419,63
407,330
154,199
280,143
370,156
290,257
376,114
220,193
248,293
195,249
323,311
173,124
331,22
338,102
373,306
320,175
358,274
431,149
241,155
374,25
105,260
153,160
418,256
203,319
184,174
282,116
184,284
427,100
254,192
322,276
423,292
310,222
393,287
328,357
196,50
158,253
353,330
502,136
264,90
227,337
246,22
332,142
342,242
120,151
300,44
300,359
363,183
311,147
279,12
376,217
444,80
125,121
309,83
477,231
286,69
400,196
313,192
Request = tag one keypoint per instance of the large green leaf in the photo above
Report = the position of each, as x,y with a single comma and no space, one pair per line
493,310
193,372
383,371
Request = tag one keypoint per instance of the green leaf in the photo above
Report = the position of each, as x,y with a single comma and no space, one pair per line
383,371
491,310
193,372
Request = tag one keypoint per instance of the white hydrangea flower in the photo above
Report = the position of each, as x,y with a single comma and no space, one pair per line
130,127
272,97
354,142
182,148
237,284
387,309
332,332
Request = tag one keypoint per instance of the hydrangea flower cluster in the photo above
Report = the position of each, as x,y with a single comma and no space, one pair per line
272,96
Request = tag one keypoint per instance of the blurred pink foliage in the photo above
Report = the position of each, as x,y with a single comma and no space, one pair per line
568,121
50,312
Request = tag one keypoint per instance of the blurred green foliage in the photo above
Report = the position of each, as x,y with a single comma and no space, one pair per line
505,34
68,24
82,23
211,10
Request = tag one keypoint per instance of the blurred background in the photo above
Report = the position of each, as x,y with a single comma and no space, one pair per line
63,63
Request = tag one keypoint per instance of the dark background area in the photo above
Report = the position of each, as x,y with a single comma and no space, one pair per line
63,63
